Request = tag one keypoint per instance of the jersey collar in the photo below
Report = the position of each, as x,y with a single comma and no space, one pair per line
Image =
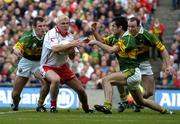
125,34
64,34
35,35
141,30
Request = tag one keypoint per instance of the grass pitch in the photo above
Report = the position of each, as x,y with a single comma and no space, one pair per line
30,116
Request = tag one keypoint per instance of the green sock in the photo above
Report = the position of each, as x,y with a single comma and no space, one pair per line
108,104
123,97
40,102
163,111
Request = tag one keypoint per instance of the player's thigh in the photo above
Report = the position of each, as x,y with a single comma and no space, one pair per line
52,76
117,78
39,76
148,82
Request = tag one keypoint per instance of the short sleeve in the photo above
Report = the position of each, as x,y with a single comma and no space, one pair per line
50,40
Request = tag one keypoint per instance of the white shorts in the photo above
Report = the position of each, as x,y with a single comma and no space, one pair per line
134,80
145,68
27,67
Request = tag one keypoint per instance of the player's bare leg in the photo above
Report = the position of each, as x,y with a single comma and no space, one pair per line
117,78
138,97
52,77
77,86
18,85
123,96
45,86
148,84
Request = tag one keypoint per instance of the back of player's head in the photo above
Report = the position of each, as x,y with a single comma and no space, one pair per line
136,20
121,21
36,19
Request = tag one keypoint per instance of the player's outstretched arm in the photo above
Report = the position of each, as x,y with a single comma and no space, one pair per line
64,47
107,48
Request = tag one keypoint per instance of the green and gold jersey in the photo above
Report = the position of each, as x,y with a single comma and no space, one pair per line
111,39
127,55
30,45
145,40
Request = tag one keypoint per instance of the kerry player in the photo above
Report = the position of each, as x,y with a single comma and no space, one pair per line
129,74
145,40
29,49
111,40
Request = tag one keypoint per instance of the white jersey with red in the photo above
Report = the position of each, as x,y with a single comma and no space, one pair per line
48,57
51,60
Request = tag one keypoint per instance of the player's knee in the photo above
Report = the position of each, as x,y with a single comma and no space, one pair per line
104,81
148,94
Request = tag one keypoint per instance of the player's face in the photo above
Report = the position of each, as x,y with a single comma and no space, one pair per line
64,25
40,28
114,28
132,27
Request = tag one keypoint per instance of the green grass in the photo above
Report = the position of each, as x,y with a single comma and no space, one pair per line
29,116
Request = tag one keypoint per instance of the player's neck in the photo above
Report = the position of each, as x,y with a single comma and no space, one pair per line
64,34
121,33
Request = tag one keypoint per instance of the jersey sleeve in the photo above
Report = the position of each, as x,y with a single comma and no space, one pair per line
19,45
121,45
156,42
22,41
127,43
50,39
105,40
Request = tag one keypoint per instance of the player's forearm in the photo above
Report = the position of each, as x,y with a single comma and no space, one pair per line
166,57
61,48
98,37
105,47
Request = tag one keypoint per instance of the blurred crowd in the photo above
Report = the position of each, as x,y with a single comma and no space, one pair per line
91,64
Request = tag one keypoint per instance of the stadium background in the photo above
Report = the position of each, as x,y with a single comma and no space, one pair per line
92,63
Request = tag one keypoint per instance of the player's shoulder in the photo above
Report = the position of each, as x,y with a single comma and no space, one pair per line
127,35
26,36
110,36
51,31
50,34
146,32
